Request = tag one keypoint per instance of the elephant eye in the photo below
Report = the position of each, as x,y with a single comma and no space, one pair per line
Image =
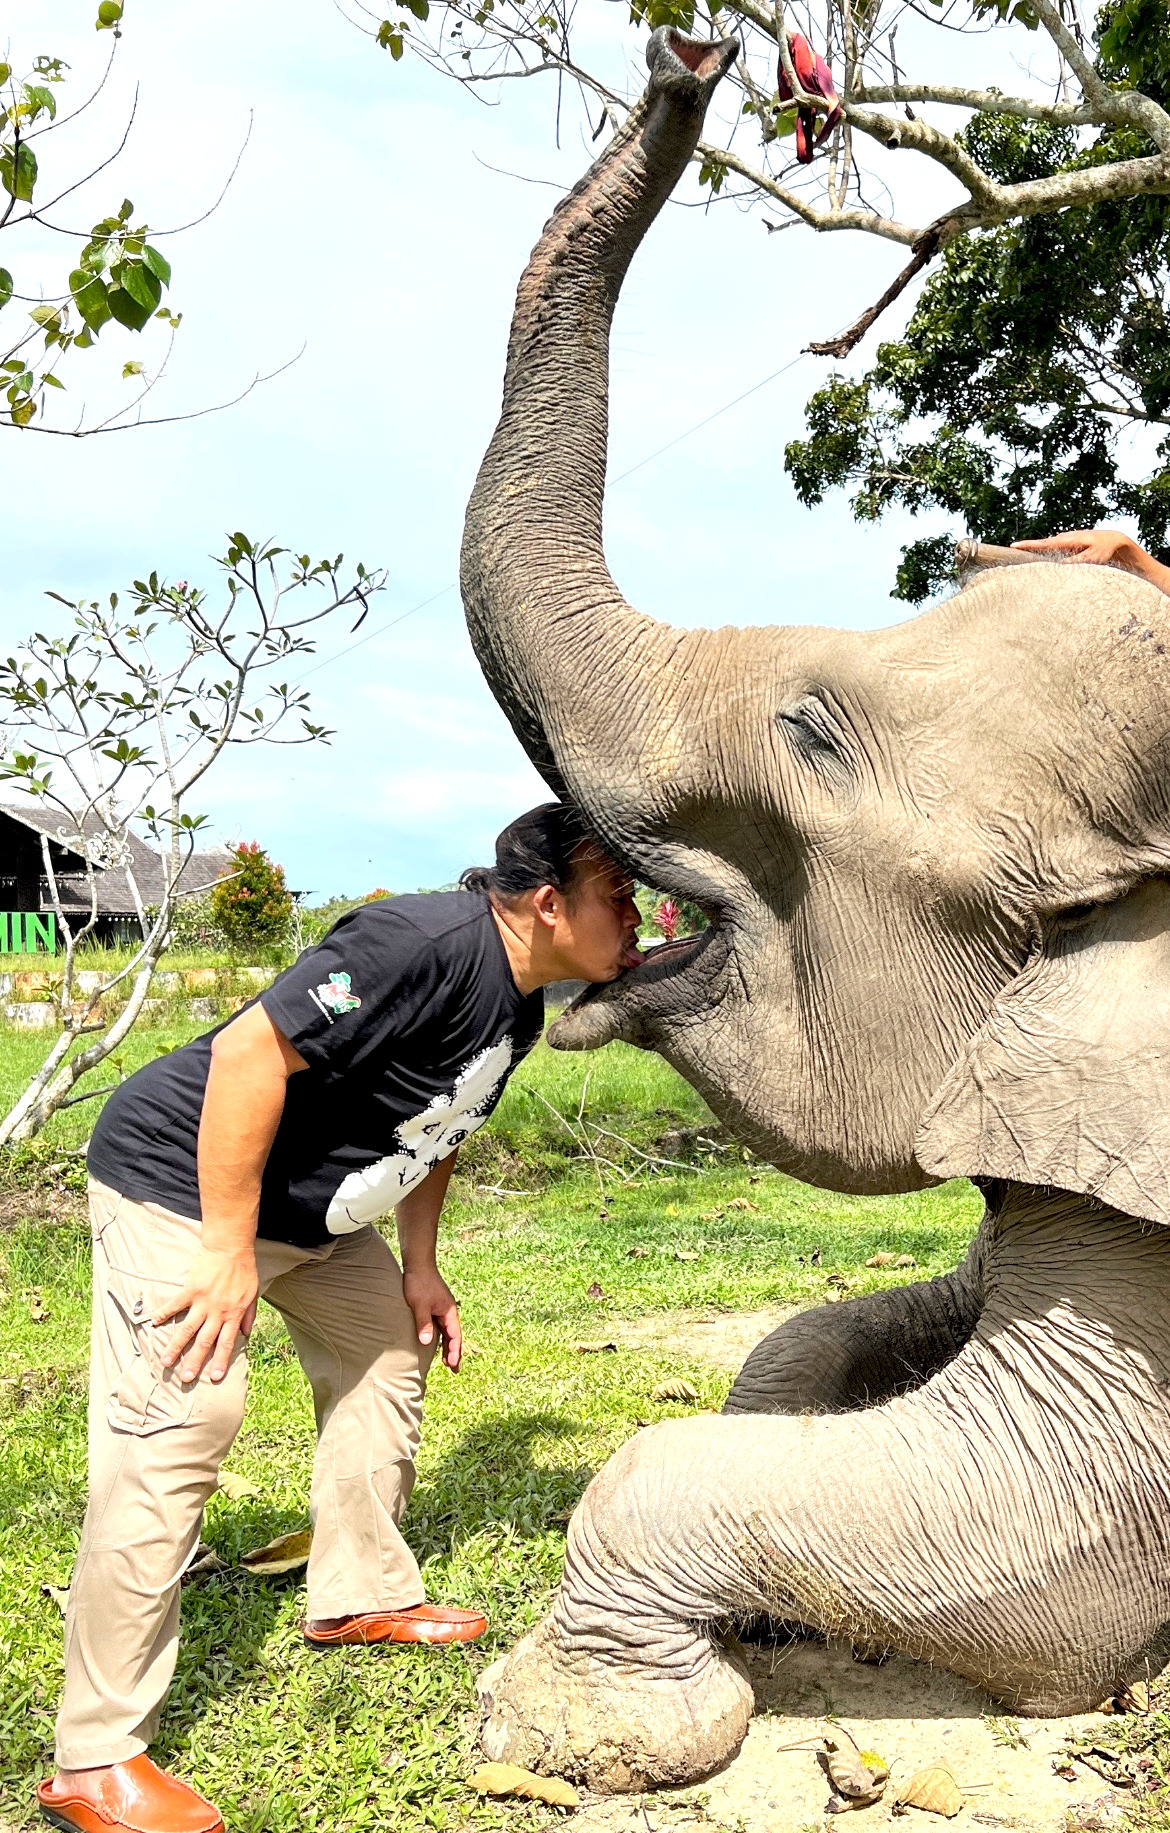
813,734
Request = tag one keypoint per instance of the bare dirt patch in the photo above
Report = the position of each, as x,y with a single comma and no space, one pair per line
911,1714
724,1338
40,1206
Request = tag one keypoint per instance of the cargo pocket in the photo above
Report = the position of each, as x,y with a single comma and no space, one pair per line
146,1397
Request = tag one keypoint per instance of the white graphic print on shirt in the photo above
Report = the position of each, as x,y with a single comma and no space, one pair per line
421,1142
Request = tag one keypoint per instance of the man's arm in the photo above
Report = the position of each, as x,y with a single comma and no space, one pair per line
251,1062
424,1288
1103,547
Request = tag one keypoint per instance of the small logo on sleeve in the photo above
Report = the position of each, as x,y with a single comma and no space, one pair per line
334,996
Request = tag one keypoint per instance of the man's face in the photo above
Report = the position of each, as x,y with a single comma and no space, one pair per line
596,923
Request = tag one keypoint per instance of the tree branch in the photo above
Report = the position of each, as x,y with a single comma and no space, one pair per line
870,220
986,101
925,251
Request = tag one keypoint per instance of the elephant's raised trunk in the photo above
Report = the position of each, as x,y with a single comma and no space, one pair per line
550,628
1009,1520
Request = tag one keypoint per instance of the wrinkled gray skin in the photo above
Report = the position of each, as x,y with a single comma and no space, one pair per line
934,856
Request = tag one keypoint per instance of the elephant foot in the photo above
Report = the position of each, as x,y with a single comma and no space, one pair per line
614,1727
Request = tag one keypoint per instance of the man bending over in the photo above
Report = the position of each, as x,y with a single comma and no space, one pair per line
254,1162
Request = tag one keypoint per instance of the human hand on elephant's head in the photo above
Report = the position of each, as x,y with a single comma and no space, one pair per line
1102,547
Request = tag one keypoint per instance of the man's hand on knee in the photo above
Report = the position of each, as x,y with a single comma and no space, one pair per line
218,1298
435,1307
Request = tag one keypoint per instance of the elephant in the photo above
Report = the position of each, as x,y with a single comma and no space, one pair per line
936,862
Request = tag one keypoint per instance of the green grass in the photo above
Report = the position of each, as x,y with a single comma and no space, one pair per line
283,1739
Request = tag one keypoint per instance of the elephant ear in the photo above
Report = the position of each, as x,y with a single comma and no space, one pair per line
1068,1082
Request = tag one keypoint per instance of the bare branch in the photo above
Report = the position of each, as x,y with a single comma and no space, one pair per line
986,101
870,220
924,253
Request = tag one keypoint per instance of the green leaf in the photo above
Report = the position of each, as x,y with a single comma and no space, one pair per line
5,287
158,264
108,15
142,286
18,177
40,100
52,380
91,298
125,309
132,369
47,316
5,72
420,8
22,412
389,36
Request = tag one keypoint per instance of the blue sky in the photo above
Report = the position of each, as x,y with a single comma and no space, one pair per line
366,224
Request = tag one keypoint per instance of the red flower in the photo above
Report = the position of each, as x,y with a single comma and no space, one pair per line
667,918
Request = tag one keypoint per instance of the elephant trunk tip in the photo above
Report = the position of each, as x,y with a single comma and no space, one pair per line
697,64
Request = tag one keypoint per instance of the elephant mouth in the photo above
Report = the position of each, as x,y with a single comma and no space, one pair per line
674,979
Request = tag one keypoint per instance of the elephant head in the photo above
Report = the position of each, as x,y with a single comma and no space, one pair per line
932,857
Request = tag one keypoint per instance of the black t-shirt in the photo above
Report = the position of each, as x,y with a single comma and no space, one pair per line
410,1022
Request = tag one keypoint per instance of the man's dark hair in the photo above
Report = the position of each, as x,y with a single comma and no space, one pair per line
539,848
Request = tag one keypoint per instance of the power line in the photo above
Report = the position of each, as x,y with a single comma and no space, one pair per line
379,631
649,459
700,424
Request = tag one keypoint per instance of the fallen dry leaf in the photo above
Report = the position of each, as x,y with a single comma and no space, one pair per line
676,1390
905,1260
858,1776
933,1789
470,1348
594,1349
234,1486
1132,1698
711,1215
882,1260
508,1779
204,1561
57,1594
284,1554
637,1253
685,1253
37,1309
594,1291
814,1259
742,1203
1114,1769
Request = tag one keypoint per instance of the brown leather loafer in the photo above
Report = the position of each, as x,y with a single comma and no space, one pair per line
136,1796
420,1623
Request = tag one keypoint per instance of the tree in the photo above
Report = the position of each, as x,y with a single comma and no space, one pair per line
753,152
252,905
119,276
113,724
1032,356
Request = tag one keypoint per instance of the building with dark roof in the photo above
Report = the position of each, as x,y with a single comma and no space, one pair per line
24,887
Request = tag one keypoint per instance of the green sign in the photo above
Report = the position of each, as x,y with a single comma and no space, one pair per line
22,932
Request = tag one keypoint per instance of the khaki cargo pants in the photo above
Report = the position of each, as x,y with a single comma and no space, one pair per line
155,1448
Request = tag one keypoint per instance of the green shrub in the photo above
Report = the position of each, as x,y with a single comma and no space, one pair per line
195,926
253,906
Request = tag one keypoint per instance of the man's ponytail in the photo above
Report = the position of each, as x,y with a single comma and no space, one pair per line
539,848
